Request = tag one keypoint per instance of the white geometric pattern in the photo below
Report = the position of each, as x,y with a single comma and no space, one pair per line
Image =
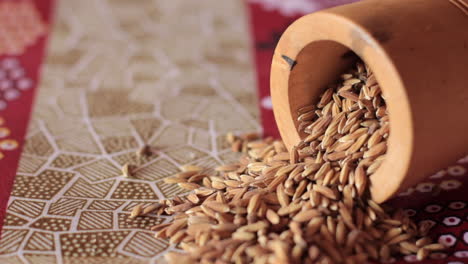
120,74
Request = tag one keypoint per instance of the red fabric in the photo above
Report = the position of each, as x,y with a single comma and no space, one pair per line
447,211
17,112
266,32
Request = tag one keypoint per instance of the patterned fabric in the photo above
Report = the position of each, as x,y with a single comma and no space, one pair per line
119,75
23,27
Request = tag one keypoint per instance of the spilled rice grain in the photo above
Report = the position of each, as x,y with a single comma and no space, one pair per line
308,205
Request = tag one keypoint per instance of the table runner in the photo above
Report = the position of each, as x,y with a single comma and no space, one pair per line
172,74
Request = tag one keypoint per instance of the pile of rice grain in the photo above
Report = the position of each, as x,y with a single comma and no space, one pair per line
309,205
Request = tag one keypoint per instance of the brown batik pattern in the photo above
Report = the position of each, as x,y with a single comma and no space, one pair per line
120,74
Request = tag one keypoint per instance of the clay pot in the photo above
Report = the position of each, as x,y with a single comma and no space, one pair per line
418,51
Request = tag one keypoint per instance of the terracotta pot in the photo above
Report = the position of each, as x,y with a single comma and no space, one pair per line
418,51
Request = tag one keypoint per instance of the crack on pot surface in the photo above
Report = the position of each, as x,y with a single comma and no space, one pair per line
290,61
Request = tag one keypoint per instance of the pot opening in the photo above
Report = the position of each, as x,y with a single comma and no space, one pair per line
339,111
